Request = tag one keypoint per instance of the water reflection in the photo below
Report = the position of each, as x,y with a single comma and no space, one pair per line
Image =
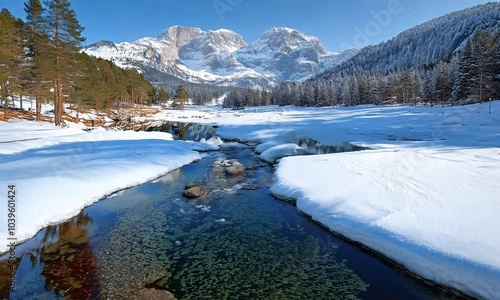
186,131
64,261
313,147
5,274
68,263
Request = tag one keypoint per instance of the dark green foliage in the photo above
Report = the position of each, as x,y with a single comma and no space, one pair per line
180,98
36,67
51,37
478,68
10,55
65,38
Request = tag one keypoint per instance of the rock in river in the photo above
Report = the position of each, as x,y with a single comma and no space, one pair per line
193,191
235,169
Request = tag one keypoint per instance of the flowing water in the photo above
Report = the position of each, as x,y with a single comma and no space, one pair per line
237,242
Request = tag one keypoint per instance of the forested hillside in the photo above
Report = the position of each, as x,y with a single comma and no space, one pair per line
41,58
426,44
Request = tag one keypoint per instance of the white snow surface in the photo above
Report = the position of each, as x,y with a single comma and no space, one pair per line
275,153
427,195
57,172
433,210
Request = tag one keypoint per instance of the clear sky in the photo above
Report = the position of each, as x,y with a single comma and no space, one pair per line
338,23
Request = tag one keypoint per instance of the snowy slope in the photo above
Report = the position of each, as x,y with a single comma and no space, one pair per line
222,57
57,172
432,210
427,196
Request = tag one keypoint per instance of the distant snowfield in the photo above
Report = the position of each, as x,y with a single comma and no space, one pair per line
427,196
57,172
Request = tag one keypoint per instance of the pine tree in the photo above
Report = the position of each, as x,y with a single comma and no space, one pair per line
36,44
181,97
163,95
10,56
496,66
416,87
331,93
354,98
309,97
482,64
443,84
406,86
461,90
428,87
65,34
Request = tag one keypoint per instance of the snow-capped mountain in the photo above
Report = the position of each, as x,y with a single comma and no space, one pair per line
286,53
222,57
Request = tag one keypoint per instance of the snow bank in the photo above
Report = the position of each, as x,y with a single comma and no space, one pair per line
275,153
212,141
264,146
21,136
63,170
433,210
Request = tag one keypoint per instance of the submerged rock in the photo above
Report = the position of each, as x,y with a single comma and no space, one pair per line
251,186
236,169
192,185
193,192
50,249
153,294
230,167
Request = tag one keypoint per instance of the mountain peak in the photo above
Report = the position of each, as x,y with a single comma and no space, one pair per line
178,32
289,39
223,31
102,43
225,38
282,31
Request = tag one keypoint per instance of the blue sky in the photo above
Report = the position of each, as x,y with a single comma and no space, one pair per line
338,23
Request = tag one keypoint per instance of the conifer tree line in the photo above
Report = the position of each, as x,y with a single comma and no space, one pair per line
238,98
201,94
41,58
469,76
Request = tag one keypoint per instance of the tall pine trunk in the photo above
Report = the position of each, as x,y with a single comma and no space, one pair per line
57,82
38,107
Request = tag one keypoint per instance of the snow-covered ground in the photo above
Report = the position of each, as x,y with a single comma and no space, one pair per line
57,171
29,104
427,196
